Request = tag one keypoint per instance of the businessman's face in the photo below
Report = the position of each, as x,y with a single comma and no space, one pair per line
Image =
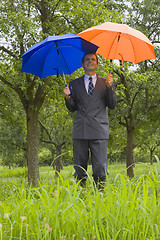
90,63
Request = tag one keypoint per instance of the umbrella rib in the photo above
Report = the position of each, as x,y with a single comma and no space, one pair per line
39,75
119,33
133,48
46,57
58,49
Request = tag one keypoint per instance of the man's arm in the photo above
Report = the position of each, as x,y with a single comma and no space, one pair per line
110,93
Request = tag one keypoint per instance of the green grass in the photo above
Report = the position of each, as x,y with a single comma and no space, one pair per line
60,209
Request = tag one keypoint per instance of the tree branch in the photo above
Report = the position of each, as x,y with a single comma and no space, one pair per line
17,90
10,53
40,94
134,97
56,5
6,82
49,135
154,65
154,105
123,80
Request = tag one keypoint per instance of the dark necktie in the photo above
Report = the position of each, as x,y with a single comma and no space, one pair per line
90,87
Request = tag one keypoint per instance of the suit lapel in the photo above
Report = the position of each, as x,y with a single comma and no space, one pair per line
84,93
97,88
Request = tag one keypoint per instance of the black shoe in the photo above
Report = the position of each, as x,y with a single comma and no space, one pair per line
99,184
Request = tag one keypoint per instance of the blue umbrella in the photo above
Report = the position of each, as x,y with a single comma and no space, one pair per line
56,55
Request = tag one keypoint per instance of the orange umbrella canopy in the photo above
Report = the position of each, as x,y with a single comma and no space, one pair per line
119,41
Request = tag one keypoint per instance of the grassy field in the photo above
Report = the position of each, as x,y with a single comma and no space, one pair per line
59,209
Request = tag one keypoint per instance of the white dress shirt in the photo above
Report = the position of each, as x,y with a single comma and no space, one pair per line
86,80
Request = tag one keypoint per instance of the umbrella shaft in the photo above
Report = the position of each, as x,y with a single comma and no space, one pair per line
60,62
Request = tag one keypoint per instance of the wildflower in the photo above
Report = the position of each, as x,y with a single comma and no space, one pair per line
0,203
64,237
94,237
45,219
84,238
49,229
56,193
0,225
73,235
27,225
6,215
23,219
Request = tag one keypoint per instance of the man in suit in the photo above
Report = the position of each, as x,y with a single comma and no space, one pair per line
90,97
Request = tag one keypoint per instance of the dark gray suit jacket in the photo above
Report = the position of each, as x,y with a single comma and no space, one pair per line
91,119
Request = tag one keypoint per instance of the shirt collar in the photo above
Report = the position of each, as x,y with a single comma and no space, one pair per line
94,77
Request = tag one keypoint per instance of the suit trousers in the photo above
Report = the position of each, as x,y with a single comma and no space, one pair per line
98,150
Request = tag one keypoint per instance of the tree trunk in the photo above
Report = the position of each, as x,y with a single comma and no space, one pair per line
59,164
32,147
151,156
129,153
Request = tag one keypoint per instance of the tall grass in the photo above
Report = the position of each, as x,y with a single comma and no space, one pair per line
60,209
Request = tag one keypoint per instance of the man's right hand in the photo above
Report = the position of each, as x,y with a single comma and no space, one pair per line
67,92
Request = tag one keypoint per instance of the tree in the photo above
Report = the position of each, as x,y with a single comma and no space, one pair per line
56,124
12,129
136,89
23,23
144,16
134,104
148,135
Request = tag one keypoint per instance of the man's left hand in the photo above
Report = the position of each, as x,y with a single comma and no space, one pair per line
109,80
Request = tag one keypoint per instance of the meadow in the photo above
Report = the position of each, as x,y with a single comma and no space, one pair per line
59,209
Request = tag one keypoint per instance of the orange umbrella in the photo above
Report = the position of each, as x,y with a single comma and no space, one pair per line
119,41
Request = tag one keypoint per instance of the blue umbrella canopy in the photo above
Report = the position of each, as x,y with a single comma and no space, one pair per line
56,55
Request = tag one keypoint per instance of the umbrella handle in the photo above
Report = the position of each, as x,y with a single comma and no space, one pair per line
109,73
70,90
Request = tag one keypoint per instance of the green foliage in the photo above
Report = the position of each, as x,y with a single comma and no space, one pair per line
144,15
61,209
12,129
12,173
24,23
56,128
157,158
